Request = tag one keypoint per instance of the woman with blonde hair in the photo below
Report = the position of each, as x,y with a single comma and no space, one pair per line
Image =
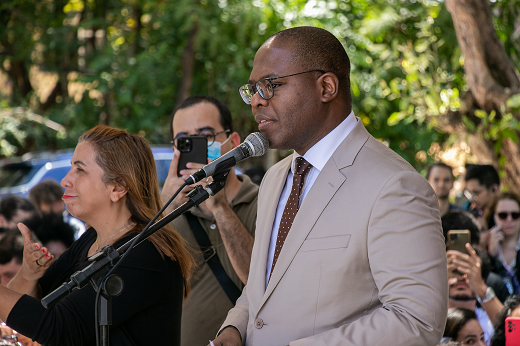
113,187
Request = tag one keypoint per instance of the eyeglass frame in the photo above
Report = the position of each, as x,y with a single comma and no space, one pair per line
215,134
472,195
255,88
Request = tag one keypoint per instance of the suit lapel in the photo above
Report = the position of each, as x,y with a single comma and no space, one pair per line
273,190
322,191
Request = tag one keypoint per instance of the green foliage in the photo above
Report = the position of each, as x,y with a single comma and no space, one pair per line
126,60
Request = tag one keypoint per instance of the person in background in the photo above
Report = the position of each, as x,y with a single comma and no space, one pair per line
504,238
46,197
11,256
113,186
482,183
463,220
511,309
466,287
227,219
440,177
54,233
15,209
462,326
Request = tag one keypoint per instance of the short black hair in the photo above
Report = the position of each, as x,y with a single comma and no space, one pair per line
460,220
11,246
317,49
10,205
486,175
225,114
439,164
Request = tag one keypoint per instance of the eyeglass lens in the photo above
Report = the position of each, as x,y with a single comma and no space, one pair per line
515,215
263,86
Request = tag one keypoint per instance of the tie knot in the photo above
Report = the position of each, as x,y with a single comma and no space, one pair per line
302,166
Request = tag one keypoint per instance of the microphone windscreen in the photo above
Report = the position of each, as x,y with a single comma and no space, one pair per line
257,143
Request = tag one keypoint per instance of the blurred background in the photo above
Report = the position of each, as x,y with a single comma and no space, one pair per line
418,69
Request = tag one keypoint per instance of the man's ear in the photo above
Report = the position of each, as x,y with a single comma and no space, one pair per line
329,86
234,139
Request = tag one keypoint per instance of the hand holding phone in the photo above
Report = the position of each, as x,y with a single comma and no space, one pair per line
174,180
193,149
495,237
457,240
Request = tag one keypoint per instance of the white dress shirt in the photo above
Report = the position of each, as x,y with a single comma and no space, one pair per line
317,156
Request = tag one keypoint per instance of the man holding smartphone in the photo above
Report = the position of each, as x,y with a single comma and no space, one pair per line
226,221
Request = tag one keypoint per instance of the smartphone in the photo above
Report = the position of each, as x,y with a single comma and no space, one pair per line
512,331
193,149
457,240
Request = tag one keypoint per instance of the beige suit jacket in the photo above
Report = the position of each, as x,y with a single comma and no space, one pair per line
364,263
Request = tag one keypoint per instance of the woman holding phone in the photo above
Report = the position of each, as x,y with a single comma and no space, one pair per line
504,238
113,187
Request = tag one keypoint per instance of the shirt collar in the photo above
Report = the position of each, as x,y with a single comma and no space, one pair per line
320,153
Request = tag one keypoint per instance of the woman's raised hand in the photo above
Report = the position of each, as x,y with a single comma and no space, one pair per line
36,258
495,237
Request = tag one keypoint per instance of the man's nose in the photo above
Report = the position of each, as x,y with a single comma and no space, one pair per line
258,100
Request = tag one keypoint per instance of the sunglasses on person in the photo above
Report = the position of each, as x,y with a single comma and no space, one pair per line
515,215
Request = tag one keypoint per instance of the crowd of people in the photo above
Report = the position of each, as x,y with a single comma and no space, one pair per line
343,242
484,282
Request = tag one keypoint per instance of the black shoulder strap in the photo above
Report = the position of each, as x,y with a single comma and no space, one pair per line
209,253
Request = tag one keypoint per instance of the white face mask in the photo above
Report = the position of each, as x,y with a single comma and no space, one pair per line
214,149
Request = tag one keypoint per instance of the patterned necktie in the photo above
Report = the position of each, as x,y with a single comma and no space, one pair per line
291,208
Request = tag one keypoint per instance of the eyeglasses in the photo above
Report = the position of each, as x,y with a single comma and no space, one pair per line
264,87
515,215
210,135
472,195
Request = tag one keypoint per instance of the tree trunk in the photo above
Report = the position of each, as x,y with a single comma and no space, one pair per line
490,75
491,79
19,74
188,62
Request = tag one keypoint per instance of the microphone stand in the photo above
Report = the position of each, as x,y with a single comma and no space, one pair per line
108,257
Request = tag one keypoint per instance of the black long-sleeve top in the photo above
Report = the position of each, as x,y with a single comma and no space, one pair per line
147,312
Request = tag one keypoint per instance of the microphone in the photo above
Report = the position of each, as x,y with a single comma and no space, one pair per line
254,145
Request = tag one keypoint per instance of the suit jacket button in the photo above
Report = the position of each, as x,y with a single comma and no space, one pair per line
259,323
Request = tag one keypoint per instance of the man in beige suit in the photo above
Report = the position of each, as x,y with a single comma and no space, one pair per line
363,263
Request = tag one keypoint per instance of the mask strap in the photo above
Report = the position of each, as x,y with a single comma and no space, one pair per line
226,140
219,142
